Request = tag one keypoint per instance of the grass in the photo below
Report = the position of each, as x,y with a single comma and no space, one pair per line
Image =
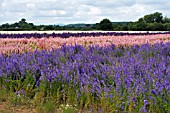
12,103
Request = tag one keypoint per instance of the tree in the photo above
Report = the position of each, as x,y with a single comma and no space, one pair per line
141,24
141,20
158,17
5,26
166,20
156,27
105,24
23,20
22,24
155,17
167,26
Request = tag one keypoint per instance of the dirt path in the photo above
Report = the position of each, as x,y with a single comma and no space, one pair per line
7,108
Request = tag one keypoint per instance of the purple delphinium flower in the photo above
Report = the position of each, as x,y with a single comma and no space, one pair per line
22,91
146,103
143,110
154,92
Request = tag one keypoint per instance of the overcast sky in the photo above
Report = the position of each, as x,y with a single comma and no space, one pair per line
79,11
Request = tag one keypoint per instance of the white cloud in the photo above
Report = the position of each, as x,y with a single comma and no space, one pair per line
78,11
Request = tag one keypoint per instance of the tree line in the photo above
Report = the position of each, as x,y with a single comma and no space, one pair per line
150,22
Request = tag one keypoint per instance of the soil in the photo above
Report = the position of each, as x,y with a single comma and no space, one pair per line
5,107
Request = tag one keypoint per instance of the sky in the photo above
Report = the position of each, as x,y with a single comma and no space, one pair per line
79,11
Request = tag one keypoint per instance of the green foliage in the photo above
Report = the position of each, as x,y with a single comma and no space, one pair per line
69,110
166,20
155,17
3,95
49,98
49,107
156,27
167,26
141,26
106,24
18,26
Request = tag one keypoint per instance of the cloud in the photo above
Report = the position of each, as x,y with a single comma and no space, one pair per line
78,11
110,3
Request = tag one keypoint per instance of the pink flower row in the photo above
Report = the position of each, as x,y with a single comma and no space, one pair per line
9,45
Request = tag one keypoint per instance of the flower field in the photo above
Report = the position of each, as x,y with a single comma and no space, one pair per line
26,43
107,74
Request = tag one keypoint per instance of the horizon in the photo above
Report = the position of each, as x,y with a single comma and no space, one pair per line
60,24
57,12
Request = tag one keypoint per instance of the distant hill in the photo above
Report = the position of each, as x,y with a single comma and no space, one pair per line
90,25
123,23
79,25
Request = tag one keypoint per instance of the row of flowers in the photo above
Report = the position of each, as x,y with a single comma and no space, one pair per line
20,45
65,34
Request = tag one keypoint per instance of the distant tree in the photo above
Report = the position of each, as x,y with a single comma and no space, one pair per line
124,28
166,20
23,20
158,17
141,20
5,26
151,18
156,27
15,24
49,27
23,25
167,26
31,24
96,26
131,26
140,25
106,24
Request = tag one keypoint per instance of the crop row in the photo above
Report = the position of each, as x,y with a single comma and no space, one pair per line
79,34
20,45
109,79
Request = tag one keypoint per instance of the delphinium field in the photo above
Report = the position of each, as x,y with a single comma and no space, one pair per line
25,43
90,78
